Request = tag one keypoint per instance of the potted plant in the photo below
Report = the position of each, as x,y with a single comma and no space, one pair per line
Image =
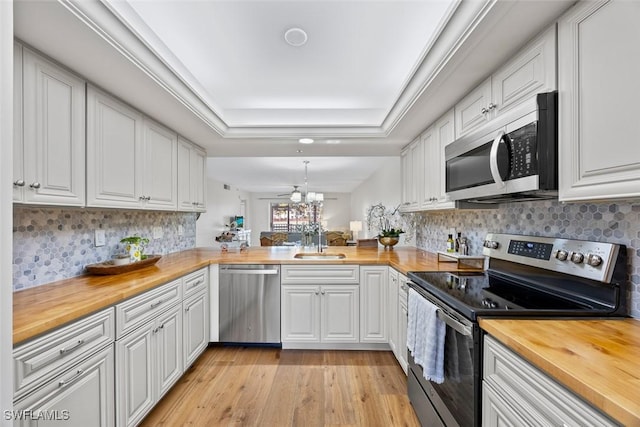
388,223
135,247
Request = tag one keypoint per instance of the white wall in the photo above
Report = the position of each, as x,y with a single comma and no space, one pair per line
336,212
221,206
383,186
6,215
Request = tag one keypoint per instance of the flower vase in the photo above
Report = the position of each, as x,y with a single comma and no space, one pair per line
135,252
388,242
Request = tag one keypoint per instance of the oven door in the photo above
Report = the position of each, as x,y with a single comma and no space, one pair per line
455,402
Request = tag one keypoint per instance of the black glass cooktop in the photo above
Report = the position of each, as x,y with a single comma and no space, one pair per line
475,294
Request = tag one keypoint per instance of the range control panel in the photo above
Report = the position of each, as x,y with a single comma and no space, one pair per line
591,260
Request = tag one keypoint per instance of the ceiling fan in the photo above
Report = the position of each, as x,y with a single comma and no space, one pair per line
293,195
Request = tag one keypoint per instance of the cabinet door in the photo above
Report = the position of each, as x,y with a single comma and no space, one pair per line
532,71
114,152
392,310
300,313
373,313
18,155
198,179
598,111
169,350
473,110
407,178
339,313
160,167
54,133
195,327
431,158
82,396
135,373
185,197
445,135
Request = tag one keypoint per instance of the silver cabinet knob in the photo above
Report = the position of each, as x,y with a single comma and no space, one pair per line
19,183
484,110
491,106
577,257
35,185
594,260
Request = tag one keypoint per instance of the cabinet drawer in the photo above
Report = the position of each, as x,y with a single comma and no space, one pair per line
39,360
134,312
195,282
534,395
320,274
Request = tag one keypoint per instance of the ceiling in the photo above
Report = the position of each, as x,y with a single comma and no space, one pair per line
371,77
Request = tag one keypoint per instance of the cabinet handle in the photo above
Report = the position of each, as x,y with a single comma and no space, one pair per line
35,185
64,350
19,183
186,310
161,326
198,283
484,110
322,292
492,106
63,383
141,198
317,292
155,304
145,198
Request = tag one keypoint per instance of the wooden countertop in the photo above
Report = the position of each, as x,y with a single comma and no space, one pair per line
43,308
596,359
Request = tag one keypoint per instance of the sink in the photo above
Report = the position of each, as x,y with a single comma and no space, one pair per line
319,256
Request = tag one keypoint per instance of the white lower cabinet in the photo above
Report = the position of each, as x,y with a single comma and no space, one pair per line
79,397
516,393
403,318
195,332
149,362
373,303
319,314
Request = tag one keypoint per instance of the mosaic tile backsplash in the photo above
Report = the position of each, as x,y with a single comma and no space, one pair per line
52,244
610,222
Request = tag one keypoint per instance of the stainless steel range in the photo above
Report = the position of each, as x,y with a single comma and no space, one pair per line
527,276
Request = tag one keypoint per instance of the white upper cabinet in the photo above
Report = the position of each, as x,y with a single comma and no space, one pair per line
49,141
114,148
160,167
435,139
131,159
191,177
531,71
598,83
412,173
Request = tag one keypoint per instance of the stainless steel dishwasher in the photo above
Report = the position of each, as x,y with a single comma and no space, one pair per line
250,304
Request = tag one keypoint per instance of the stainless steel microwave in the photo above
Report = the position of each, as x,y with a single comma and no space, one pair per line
511,158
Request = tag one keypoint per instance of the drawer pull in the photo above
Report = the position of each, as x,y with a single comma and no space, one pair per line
155,304
73,347
64,383
198,283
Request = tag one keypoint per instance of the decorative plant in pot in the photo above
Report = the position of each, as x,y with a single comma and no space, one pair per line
135,246
388,223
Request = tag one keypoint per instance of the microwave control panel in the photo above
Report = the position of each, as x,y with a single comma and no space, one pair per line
523,150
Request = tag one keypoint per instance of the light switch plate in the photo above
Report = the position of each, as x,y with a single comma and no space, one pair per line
157,232
100,237
180,230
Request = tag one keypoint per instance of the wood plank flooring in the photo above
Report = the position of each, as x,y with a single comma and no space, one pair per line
250,386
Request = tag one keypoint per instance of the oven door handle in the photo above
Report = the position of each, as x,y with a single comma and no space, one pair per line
457,326
493,160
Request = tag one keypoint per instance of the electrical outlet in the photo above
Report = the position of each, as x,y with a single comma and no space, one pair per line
180,230
157,232
100,238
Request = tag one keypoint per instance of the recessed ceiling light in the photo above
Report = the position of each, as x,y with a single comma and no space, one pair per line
305,141
333,141
295,37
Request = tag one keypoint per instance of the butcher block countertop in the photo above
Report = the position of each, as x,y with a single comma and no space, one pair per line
43,308
598,360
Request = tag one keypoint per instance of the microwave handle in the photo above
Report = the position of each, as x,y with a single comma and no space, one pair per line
493,160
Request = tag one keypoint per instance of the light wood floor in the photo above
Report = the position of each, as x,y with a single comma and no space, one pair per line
246,386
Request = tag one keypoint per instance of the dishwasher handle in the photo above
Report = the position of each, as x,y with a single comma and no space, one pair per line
249,271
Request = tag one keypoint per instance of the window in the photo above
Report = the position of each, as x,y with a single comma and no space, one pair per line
290,217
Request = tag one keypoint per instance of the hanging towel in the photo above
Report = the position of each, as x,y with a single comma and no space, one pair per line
426,336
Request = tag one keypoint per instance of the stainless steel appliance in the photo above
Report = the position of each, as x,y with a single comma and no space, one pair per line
511,158
527,276
250,304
